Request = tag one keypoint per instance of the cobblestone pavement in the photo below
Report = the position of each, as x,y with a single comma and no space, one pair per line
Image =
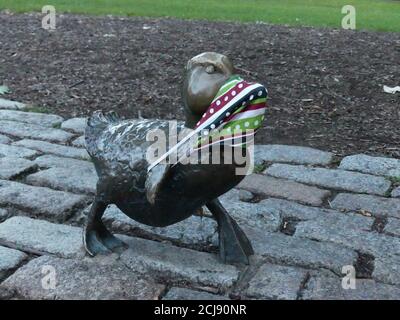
307,212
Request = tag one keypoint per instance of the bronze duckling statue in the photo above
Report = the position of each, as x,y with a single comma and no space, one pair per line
174,192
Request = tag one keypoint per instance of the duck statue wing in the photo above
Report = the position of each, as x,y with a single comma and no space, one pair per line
119,148
109,138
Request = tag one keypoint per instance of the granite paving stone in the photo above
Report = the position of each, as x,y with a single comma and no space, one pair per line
285,249
329,288
392,227
387,270
3,214
52,161
77,125
10,259
331,178
291,154
373,165
378,206
11,167
281,188
293,210
275,282
80,180
79,142
17,152
250,214
165,261
39,201
365,241
12,105
41,237
176,293
33,131
104,279
42,119
396,193
4,139
56,149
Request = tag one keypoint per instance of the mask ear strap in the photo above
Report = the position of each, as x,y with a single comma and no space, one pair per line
154,181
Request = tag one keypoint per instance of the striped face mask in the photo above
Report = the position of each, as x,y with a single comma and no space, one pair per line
234,116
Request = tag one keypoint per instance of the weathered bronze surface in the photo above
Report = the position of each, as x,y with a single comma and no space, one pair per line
170,193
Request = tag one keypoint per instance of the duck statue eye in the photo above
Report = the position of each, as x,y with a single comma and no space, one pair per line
210,69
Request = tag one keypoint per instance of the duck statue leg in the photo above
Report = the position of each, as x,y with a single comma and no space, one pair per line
96,238
234,246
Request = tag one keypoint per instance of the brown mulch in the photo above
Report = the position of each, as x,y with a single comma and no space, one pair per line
326,86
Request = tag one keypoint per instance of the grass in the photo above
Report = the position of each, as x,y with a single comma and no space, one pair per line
380,15
259,168
395,180
37,109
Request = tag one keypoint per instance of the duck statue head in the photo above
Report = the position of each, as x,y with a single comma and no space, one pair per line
205,74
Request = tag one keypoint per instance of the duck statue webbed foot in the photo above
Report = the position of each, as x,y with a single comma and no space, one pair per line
234,246
160,194
97,238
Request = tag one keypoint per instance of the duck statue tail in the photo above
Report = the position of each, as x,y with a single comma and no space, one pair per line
96,124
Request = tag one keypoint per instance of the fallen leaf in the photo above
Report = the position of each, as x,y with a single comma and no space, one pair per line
391,90
4,90
365,213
